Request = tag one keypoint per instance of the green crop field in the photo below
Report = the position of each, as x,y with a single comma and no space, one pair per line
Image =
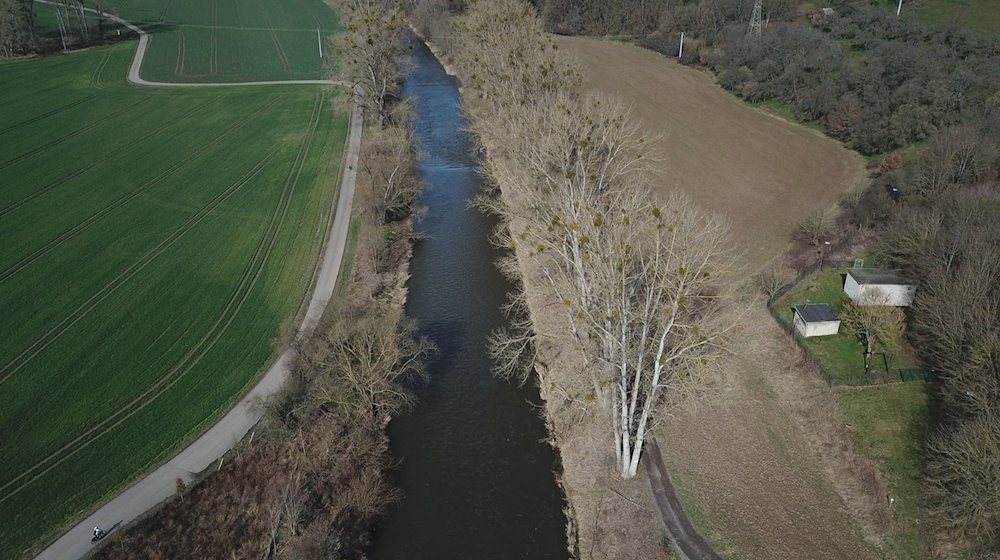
218,40
231,40
982,16
157,244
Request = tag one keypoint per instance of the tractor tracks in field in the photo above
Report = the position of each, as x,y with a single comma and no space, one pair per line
246,284
274,38
45,115
60,455
74,133
95,78
11,367
98,162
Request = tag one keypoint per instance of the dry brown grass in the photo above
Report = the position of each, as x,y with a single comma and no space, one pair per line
768,462
764,173
765,461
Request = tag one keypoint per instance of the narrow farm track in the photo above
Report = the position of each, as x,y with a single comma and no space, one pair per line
158,388
46,114
97,163
73,134
97,216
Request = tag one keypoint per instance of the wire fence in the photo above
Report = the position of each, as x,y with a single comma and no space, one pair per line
874,377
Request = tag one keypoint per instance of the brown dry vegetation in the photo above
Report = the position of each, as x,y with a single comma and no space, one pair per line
764,173
764,459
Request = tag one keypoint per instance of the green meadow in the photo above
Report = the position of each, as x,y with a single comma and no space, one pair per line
156,246
231,40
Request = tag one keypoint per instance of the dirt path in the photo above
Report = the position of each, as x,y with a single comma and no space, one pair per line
684,535
140,53
223,436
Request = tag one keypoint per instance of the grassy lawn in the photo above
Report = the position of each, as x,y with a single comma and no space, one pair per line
155,245
982,16
889,422
843,353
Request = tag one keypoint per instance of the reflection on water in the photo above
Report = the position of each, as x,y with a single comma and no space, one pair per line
477,477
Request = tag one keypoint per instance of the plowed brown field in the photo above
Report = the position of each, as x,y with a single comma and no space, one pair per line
764,173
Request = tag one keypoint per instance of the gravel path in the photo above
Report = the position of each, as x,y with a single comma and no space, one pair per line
160,484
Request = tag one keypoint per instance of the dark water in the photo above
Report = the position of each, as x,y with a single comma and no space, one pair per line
478,480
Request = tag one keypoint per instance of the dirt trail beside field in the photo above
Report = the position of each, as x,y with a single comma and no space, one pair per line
765,174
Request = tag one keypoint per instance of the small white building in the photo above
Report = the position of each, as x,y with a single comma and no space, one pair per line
815,319
875,286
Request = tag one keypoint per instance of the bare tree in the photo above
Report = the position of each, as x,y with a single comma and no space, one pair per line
874,321
964,480
17,22
639,282
371,51
367,354
958,155
661,309
815,226
503,52
387,161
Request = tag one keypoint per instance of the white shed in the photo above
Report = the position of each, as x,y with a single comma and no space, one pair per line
815,319
874,286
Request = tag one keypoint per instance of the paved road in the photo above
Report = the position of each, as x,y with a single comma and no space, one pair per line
223,436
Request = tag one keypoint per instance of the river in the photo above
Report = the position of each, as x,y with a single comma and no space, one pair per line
477,477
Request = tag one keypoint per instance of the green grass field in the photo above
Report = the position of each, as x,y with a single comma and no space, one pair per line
890,423
156,246
982,16
225,40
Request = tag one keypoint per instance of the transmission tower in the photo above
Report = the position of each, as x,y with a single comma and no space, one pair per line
755,23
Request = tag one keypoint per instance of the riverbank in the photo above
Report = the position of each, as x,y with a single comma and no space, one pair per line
607,517
794,462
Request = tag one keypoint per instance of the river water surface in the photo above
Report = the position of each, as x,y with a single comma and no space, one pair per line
477,477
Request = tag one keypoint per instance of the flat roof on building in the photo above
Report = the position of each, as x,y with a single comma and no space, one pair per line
876,276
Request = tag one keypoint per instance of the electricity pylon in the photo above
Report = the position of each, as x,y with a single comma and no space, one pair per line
755,23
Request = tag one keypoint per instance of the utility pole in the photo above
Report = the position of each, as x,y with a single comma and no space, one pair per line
319,43
755,20
680,51
899,7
